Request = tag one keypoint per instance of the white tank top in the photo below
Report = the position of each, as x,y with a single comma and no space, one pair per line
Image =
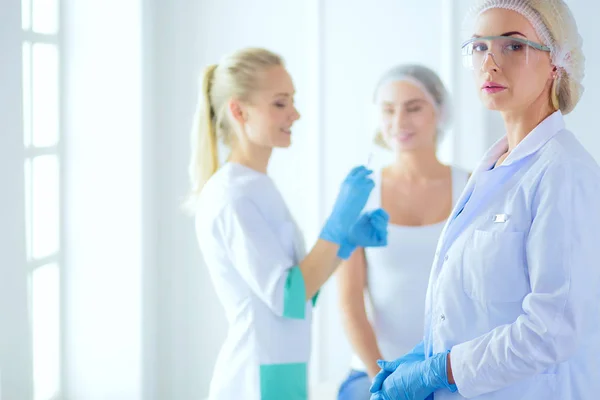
397,278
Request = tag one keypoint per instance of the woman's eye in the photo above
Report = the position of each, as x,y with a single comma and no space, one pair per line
514,46
478,47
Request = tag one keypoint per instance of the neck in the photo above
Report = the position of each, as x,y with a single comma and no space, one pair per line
251,156
519,123
419,165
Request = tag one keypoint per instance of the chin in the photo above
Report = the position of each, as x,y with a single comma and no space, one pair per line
494,104
406,148
283,144
499,102
410,147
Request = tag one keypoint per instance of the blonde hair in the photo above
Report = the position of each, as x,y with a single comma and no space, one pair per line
236,76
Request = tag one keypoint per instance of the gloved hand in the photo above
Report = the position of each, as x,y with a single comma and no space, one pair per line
381,396
387,367
351,200
369,231
416,380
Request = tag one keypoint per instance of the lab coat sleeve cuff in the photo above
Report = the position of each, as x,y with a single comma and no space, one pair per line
346,249
462,372
294,295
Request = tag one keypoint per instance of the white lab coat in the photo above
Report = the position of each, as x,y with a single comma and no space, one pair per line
514,291
250,243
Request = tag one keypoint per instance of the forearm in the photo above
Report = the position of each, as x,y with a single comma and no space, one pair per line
449,370
362,338
318,266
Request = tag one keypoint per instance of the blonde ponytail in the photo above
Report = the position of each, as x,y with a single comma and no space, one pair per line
235,76
205,157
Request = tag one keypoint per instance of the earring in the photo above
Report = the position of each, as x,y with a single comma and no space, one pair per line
554,94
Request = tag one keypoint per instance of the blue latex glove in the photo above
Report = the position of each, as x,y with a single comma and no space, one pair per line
381,396
417,380
351,200
387,367
369,231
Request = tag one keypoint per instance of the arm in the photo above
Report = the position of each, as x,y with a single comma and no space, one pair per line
318,266
562,264
257,255
369,230
449,370
352,281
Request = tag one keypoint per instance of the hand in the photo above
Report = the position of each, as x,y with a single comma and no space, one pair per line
387,367
417,380
352,198
381,396
370,230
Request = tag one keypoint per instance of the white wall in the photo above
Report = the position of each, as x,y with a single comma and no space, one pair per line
15,352
104,187
580,120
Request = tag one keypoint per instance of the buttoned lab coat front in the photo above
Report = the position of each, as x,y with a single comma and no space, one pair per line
514,291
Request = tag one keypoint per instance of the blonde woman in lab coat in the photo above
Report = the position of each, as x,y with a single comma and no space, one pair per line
250,243
513,304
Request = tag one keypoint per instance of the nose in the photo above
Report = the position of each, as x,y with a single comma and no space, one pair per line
401,118
489,63
295,115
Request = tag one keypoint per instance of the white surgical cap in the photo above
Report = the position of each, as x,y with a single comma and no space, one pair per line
429,83
555,25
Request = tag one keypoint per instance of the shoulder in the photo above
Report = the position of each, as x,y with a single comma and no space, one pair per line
566,168
228,194
565,152
235,214
562,163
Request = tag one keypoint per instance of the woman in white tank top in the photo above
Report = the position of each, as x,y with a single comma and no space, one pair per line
419,193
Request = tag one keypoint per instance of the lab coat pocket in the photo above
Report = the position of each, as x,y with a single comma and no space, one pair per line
283,381
494,269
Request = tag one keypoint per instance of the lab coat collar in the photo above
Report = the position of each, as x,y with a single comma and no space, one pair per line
534,141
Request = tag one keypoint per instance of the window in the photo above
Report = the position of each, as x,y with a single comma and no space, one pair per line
41,138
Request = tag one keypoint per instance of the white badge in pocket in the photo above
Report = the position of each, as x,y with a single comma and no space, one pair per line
500,218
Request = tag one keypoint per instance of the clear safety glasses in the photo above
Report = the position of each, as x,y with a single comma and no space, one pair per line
505,51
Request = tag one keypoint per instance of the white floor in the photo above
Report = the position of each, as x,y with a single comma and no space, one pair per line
324,391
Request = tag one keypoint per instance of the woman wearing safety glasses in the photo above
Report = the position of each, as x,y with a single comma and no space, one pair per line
513,305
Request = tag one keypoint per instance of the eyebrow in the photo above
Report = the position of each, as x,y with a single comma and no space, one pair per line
412,101
406,103
511,33
283,94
